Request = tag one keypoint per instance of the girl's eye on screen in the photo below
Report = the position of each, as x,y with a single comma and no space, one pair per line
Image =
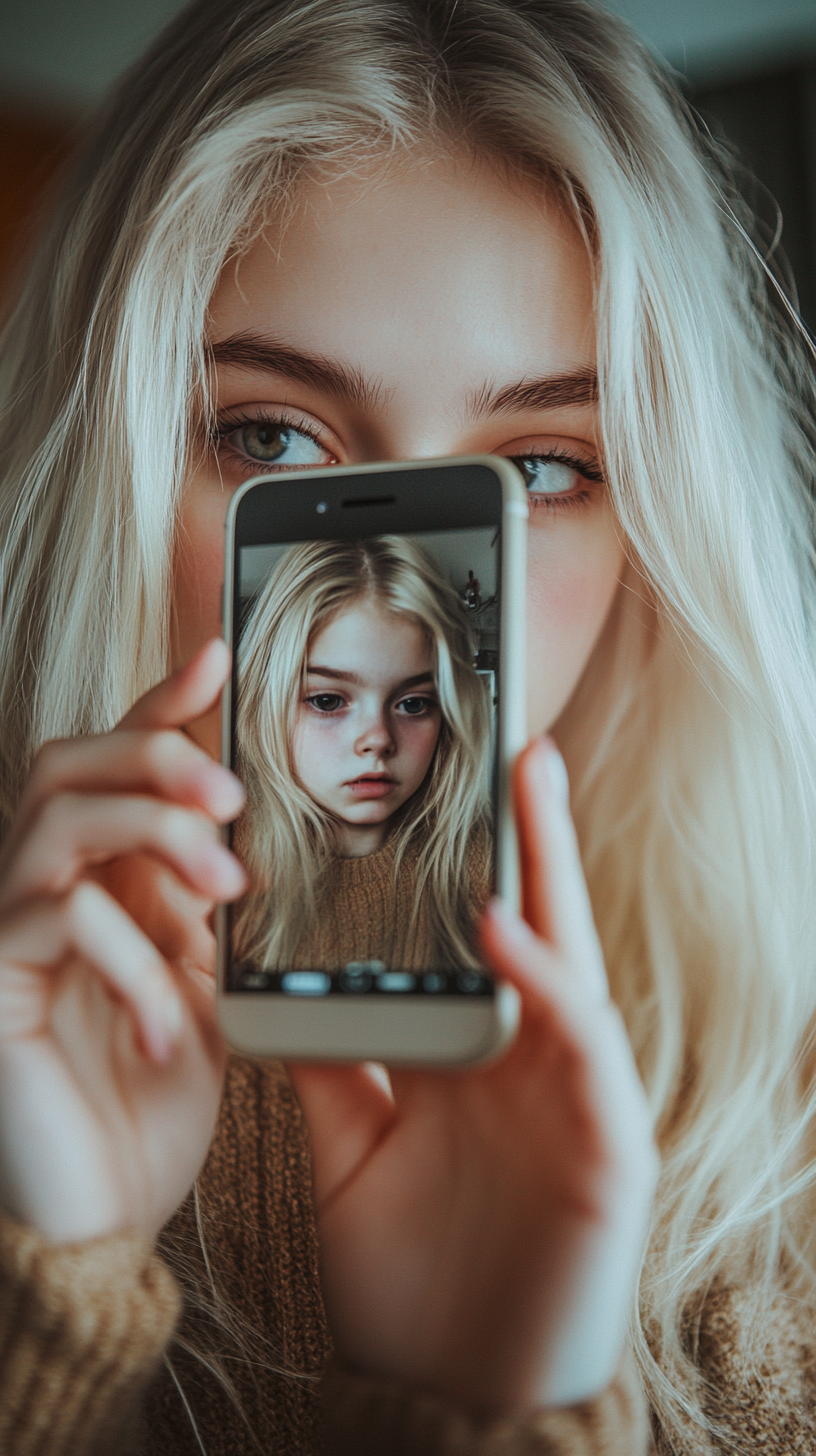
325,702
415,707
272,442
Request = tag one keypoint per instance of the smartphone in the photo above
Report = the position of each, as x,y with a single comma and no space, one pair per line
377,700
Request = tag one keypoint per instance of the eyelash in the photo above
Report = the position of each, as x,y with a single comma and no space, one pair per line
326,712
219,431
585,468
430,703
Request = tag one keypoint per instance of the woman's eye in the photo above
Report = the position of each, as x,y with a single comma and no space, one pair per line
549,477
276,444
325,702
414,707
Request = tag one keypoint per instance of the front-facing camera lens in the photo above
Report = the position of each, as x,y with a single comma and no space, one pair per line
321,508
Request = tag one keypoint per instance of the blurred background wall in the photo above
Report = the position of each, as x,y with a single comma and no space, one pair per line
750,68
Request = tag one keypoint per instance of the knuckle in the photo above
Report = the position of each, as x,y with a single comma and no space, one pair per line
54,812
48,765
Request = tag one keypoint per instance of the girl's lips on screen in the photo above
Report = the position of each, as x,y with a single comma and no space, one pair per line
371,786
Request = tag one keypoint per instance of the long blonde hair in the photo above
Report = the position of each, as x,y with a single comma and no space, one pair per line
692,737
285,837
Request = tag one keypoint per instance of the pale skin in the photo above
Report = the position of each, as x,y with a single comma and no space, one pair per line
369,721
480,1231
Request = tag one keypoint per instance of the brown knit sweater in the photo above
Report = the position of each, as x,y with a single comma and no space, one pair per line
367,912
109,1348
83,1331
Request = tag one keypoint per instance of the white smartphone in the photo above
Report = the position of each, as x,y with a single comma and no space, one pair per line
377,701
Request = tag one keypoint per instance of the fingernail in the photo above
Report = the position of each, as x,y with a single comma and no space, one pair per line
226,792
160,1043
215,644
229,871
162,1028
559,778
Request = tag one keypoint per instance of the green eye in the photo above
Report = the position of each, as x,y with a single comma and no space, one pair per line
263,442
274,443
278,443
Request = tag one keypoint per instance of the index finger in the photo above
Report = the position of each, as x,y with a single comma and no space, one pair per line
187,694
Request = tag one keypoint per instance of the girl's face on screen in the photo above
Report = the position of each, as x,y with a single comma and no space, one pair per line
436,310
368,721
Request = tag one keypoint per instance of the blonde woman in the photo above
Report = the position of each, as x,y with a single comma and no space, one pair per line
314,232
363,736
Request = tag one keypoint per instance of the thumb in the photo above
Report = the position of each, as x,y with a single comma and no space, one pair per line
186,695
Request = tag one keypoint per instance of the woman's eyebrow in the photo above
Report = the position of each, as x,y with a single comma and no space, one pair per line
272,356
552,391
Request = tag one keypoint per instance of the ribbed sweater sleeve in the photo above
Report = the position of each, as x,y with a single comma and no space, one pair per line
366,1415
82,1329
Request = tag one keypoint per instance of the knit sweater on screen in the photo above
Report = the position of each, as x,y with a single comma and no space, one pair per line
368,910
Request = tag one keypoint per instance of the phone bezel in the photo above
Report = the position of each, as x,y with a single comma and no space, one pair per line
413,1030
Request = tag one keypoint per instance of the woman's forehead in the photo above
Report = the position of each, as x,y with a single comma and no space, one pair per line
445,277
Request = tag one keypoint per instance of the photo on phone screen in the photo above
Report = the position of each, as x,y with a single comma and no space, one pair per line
365,705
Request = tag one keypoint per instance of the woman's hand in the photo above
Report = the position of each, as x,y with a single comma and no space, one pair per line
481,1231
110,1061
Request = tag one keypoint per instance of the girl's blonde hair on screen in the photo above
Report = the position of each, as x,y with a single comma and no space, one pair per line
691,739
285,837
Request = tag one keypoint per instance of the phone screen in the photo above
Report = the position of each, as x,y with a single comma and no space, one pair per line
364,728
